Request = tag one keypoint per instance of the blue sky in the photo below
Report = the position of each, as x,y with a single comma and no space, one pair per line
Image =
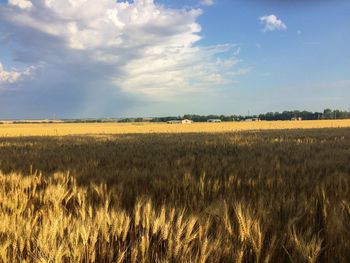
86,58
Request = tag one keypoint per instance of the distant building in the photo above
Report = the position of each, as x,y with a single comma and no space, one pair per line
214,120
252,119
296,119
185,121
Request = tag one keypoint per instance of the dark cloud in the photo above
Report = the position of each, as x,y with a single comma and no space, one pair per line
60,91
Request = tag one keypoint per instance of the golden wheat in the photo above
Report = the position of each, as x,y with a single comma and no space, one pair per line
267,196
62,129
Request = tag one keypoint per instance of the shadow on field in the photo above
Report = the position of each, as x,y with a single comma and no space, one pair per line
168,167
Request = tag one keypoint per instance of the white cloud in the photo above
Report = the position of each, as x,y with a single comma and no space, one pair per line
272,23
299,32
8,76
12,76
23,4
207,2
130,48
192,69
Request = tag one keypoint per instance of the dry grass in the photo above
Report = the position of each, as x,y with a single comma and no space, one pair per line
268,196
62,129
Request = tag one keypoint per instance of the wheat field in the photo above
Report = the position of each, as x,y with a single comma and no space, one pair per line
247,196
62,129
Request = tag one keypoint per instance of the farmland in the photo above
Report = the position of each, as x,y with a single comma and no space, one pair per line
62,129
231,192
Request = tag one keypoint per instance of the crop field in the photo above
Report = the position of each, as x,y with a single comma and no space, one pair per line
62,129
234,192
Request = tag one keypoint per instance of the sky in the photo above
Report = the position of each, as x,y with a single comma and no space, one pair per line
88,58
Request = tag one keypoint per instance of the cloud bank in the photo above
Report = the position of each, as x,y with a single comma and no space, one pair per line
95,57
272,23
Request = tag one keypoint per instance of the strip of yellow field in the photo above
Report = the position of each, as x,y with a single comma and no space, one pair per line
61,129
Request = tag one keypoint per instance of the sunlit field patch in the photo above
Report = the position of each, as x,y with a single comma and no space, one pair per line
61,129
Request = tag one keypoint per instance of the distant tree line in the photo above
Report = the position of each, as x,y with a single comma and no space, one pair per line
305,115
289,115
270,116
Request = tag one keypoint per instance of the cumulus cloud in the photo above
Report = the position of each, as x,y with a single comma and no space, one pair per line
207,2
8,76
272,23
107,53
13,76
24,4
